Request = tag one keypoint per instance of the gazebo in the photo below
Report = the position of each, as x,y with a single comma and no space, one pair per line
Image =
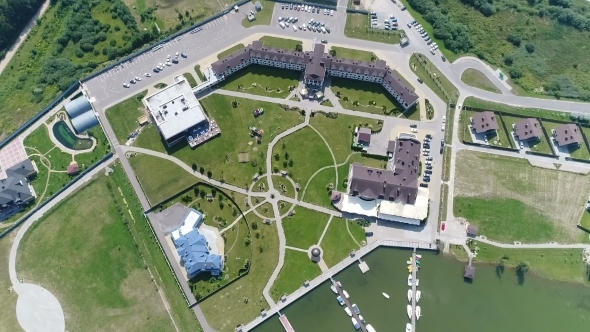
472,231
469,272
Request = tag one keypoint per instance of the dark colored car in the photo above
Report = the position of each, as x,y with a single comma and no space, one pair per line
424,185
420,80
428,136
368,233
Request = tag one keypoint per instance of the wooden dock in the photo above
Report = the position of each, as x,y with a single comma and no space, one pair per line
286,324
331,272
414,288
349,305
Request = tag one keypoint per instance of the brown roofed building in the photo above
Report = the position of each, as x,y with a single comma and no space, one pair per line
567,134
364,136
528,129
399,184
399,89
317,62
484,122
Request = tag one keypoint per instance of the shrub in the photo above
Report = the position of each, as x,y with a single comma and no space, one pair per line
530,48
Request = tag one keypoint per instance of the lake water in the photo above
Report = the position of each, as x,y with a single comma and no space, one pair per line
489,304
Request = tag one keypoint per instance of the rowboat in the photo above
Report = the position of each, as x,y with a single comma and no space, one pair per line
408,327
361,319
356,309
418,256
410,268
340,300
370,328
409,295
385,295
409,280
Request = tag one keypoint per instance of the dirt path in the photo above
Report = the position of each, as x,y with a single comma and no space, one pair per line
23,35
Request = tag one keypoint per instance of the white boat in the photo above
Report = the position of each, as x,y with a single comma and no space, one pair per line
409,280
345,293
408,327
348,312
370,328
418,256
410,312
418,294
385,295
409,262
418,312
340,300
356,309
417,282
409,295
355,323
362,319
333,288
338,284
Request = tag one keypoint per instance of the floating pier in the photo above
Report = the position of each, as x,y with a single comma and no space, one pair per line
363,266
414,278
347,303
286,324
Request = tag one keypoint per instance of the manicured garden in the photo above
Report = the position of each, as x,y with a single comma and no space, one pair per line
263,81
296,270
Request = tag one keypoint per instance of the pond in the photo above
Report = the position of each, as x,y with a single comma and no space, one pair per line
67,138
493,302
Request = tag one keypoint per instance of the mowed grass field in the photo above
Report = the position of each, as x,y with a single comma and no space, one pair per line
263,81
84,254
288,44
510,200
341,237
477,79
241,301
230,51
235,124
359,97
357,26
296,269
8,320
123,116
304,229
352,54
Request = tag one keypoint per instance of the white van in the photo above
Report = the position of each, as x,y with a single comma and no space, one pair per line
323,30
294,28
282,25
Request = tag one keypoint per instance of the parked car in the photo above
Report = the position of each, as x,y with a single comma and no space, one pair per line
126,85
368,233
413,125
426,179
429,136
428,166
148,75
428,171
420,80
443,58
424,185
324,41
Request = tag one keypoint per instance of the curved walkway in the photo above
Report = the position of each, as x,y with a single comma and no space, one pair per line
468,62
36,308
324,168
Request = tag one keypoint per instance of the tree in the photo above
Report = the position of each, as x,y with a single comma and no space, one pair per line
209,174
332,52
291,163
508,60
194,166
514,40
522,267
202,170
287,155
277,156
299,48
530,48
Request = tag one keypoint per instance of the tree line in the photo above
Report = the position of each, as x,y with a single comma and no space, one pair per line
14,15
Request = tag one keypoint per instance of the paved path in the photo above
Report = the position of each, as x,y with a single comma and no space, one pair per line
36,308
534,245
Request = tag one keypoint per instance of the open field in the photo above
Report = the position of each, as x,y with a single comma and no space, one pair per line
357,26
338,242
297,268
8,320
94,224
304,229
352,54
301,154
242,301
149,138
50,59
123,116
423,68
541,146
284,43
516,201
477,79
556,264
230,51
150,171
367,97
338,131
234,139
263,17
284,186
262,80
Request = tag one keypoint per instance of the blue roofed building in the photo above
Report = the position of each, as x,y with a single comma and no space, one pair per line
197,252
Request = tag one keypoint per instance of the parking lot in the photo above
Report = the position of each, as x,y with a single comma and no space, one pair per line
335,22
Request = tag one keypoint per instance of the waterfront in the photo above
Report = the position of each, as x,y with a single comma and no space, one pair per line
491,303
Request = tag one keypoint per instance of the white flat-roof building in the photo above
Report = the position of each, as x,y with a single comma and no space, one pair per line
175,111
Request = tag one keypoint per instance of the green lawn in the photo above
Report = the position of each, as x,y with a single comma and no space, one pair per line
241,301
338,131
235,138
123,116
447,154
317,191
200,73
360,97
575,152
306,153
531,112
541,146
556,264
160,178
352,54
327,103
266,210
190,79
284,43
477,79
8,320
304,229
357,26
263,17
337,243
261,185
262,80
464,122
501,138
444,196
219,209
428,72
284,186
150,138
230,51
297,268
585,220
93,223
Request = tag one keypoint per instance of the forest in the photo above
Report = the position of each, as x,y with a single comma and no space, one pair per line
14,15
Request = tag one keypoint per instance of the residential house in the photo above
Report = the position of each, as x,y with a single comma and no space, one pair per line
484,122
567,135
15,190
528,129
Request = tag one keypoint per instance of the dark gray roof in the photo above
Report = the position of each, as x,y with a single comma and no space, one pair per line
78,106
528,128
15,188
484,122
399,184
316,63
377,68
568,134
398,85
469,272
258,50
231,60
364,135
391,146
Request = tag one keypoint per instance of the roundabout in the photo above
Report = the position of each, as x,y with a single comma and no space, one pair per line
271,195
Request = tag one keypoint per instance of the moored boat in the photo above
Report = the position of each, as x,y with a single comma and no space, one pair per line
409,310
409,280
385,295
409,295
418,256
417,282
345,293
408,327
348,312
409,262
370,328
356,309
362,319
333,288
418,294
338,284
410,268
418,312
355,323
340,300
